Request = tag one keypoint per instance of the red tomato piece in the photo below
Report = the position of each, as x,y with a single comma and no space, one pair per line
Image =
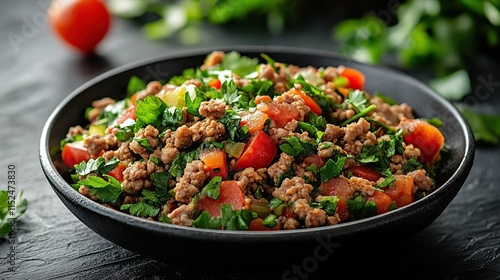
215,160
280,113
427,138
338,187
382,200
259,152
401,190
364,172
308,101
129,113
230,193
215,83
255,121
355,77
316,160
117,172
257,225
80,23
74,153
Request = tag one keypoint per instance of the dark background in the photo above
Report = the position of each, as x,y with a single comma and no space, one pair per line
463,243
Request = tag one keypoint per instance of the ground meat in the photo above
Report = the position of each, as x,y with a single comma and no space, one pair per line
152,88
123,153
313,217
396,164
182,215
343,114
168,153
248,178
421,180
330,73
213,59
169,206
75,130
362,185
131,199
328,149
332,133
280,167
189,184
333,220
329,89
393,114
102,103
293,189
288,222
111,140
301,171
135,177
213,109
151,134
354,130
207,130
357,135
183,137
411,151
278,135
95,144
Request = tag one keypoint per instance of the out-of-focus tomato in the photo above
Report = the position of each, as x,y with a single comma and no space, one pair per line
74,153
258,153
80,23
355,77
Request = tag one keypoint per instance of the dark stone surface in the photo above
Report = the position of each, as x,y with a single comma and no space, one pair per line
463,243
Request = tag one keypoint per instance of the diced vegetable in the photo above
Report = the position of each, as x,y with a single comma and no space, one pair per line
230,193
382,200
258,153
364,172
117,172
355,77
257,225
280,113
215,160
74,153
401,191
254,121
234,149
308,101
427,138
97,129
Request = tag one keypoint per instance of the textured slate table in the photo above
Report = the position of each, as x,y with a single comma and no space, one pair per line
38,72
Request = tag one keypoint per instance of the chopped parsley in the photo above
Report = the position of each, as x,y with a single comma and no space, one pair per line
238,64
135,84
173,117
295,146
7,214
98,166
212,189
150,110
327,203
231,120
332,169
107,191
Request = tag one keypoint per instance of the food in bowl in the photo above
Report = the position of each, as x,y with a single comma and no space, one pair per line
239,145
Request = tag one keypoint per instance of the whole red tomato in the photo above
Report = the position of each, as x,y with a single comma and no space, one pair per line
80,23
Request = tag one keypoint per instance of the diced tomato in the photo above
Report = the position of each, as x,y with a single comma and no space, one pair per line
129,113
230,193
263,98
257,225
215,160
308,101
254,121
315,160
338,187
401,190
117,172
355,77
342,209
364,172
74,153
427,138
259,151
280,113
382,200
215,83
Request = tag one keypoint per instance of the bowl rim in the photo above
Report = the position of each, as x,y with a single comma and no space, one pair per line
61,187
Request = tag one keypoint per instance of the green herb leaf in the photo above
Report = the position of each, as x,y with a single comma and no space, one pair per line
270,221
275,202
295,146
145,143
173,117
212,189
231,120
319,122
204,220
240,65
386,99
98,166
332,169
327,203
324,101
485,127
141,209
192,106
357,99
235,220
135,84
150,110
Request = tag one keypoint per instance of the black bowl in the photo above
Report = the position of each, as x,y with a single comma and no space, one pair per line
171,242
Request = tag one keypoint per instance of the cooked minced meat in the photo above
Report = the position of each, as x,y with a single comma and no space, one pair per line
281,147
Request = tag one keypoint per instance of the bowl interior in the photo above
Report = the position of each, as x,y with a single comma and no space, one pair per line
402,88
